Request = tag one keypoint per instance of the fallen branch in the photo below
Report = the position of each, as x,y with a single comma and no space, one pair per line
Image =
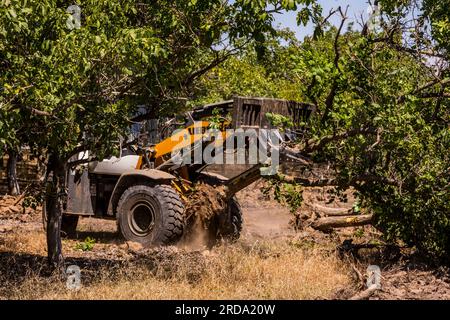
358,275
328,223
366,294
19,199
295,155
22,196
332,211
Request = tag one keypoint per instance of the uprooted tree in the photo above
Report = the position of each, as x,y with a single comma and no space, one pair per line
382,111
71,83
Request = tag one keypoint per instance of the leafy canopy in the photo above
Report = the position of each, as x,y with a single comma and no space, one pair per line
382,119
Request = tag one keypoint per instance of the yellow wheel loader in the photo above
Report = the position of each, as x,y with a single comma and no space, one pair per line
145,188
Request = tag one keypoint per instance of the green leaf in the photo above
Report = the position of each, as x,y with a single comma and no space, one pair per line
12,12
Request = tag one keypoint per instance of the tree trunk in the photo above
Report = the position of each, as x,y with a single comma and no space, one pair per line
13,183
54,210
328,223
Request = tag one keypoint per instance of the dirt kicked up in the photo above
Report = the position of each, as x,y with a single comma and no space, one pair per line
202,206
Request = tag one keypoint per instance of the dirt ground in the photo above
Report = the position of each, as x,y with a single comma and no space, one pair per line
270,261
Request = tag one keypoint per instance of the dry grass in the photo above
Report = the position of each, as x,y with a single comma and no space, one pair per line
266,270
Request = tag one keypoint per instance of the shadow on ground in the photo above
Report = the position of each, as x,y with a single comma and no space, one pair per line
105,237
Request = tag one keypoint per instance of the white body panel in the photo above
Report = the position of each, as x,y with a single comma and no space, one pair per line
114,166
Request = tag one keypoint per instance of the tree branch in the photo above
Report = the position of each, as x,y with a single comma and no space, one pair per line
314,145
356,181
218,60
442,82
332,94
32,110
434,95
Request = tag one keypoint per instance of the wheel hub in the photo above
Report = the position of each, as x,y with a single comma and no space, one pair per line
142,219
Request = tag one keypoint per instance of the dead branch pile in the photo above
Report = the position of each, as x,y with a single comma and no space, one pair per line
11,207
325,212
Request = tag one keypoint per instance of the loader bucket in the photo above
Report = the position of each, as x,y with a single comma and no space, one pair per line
251,112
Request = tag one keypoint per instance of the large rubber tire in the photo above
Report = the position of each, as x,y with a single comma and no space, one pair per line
230,225
69,224
150,215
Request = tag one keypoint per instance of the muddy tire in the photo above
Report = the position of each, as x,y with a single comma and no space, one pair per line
150,215
69,224
230,229
227,227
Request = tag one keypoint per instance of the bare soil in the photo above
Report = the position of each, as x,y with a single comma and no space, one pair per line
267,262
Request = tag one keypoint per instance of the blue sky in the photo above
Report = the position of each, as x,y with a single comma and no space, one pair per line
356,8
